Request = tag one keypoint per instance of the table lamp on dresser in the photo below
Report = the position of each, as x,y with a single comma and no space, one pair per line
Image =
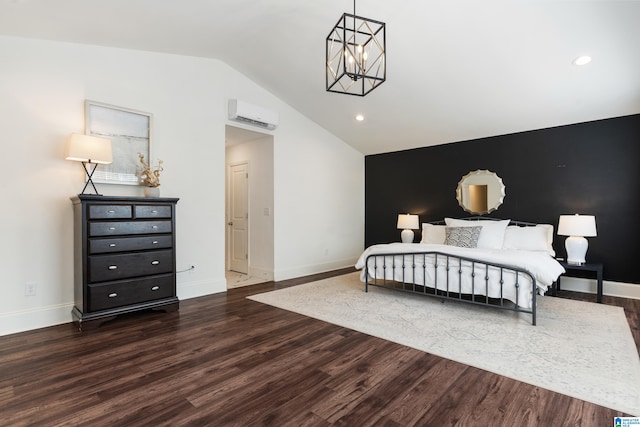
89,149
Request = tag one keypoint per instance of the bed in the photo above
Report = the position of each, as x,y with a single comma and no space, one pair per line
499,263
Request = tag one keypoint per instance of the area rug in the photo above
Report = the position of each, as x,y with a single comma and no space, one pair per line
583,350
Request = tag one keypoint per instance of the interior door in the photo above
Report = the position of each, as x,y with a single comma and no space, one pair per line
239,218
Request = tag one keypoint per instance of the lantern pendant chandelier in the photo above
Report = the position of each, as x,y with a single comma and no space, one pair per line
356,51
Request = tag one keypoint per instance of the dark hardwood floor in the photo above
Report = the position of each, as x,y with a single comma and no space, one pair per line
225,360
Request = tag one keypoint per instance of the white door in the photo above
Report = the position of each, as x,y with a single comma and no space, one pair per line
239,218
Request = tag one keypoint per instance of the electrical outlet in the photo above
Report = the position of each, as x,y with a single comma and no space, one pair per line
30,289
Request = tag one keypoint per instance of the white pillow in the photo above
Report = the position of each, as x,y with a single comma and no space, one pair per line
538,238
433,234
491,235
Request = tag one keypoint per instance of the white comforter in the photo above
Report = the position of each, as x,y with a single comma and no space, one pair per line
541,265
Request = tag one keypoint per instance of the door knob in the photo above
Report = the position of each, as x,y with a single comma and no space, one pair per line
230,223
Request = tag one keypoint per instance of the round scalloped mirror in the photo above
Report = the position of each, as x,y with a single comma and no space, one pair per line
480,192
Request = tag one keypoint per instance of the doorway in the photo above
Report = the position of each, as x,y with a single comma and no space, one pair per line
249,207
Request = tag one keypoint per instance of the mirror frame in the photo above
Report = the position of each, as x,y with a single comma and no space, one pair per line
492,179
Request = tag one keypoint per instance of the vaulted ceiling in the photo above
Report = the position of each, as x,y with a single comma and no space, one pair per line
456,69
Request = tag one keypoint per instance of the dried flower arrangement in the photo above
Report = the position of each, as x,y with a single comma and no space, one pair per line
148,176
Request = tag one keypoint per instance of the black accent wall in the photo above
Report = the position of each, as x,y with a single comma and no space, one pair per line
587,168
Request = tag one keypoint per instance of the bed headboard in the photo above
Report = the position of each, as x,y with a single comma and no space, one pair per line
482,218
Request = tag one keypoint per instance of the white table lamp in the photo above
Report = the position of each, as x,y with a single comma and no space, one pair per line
577,227
407,223
89,149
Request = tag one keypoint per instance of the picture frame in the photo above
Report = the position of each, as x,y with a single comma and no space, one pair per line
130,133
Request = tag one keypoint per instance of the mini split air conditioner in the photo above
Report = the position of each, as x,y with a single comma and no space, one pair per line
252,114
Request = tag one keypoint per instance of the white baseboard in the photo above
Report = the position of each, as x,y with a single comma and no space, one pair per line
308,270
200,288
41,317
614,289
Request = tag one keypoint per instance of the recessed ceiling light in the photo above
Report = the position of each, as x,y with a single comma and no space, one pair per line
359,117
582,60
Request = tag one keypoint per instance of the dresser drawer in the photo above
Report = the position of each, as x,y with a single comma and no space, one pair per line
110,211
123,244
117,294
118,228
152,211
103,268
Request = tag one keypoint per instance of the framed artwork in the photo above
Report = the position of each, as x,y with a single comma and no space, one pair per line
130,134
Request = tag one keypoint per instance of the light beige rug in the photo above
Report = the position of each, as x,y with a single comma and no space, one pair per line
583,350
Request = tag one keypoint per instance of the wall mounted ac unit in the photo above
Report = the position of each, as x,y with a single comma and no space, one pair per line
252,114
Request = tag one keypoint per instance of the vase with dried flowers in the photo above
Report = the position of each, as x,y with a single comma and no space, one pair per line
150,177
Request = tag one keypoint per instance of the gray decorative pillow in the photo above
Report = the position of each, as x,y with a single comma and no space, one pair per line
465,237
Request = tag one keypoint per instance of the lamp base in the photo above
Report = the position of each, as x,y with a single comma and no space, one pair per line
407,236
90,178
576,249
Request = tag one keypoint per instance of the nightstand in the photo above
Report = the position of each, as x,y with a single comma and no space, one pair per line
590,266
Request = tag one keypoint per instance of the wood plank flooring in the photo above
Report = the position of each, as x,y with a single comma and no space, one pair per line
224,360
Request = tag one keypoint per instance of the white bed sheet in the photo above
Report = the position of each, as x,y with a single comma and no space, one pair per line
541,265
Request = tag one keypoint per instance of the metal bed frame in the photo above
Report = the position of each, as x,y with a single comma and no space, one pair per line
453,267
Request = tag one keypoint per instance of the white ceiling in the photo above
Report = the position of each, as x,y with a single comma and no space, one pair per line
456,69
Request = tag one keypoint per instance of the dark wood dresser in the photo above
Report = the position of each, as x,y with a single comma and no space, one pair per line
124,256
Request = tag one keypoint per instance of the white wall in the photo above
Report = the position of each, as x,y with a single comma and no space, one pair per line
318,219
318,180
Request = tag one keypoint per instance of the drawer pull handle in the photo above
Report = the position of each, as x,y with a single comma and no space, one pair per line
111,211
113,267
113,295
112,245
112,228
155,288
155,262
155,242
155,227
154,211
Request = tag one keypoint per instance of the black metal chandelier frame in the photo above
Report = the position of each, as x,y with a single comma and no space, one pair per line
356,55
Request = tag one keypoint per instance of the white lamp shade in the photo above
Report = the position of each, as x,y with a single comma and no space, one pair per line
89,149
407,222
577,225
